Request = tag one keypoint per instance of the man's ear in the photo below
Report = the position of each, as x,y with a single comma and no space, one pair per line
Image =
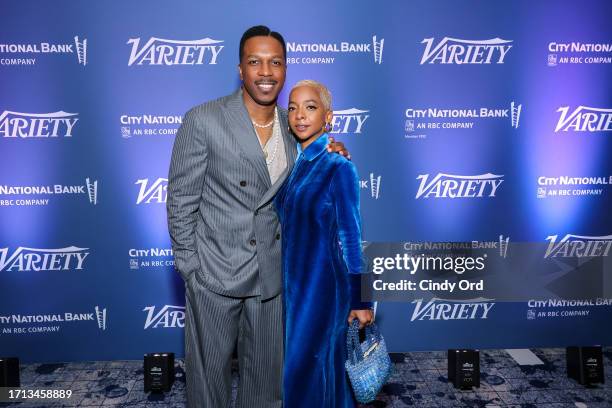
240,72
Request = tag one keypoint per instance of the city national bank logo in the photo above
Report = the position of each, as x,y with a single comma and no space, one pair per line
326,53
153,257
440,309
26,54
373,184
349,121
456,51
160,51
32,324
579,53
167,317
149,125
43,194
156,192
37,125
584,119
456,186
563,308
566,186
578,246
101,317
501,245
36,259
418,120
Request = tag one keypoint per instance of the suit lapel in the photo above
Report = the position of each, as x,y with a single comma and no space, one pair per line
242,130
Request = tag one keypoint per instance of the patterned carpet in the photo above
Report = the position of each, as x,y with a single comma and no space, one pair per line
419,380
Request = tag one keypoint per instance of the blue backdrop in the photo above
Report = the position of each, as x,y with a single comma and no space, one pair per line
425,94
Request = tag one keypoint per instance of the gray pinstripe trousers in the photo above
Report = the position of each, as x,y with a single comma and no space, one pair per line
213,325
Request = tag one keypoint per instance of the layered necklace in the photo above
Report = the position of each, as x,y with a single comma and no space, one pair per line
274,139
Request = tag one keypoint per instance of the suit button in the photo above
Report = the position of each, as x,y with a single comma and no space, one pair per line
277,237
243,183
252,242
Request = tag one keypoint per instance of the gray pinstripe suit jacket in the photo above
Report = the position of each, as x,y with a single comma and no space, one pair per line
221,219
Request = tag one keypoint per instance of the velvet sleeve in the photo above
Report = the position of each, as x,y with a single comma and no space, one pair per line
279,199
345,192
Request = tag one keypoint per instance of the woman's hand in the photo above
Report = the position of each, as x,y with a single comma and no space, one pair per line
365,317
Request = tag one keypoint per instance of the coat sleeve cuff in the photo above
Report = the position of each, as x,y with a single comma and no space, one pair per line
356,303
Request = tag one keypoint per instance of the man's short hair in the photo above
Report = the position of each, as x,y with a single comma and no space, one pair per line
261,31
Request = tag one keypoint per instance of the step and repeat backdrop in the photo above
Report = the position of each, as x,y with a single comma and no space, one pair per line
482,123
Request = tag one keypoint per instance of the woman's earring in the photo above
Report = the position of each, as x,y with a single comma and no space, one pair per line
327,127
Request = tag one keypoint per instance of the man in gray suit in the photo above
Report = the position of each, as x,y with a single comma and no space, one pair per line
230,157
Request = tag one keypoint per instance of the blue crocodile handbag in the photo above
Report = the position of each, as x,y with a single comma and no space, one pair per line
368,364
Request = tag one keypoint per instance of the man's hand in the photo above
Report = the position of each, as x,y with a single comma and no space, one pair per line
365,317
337,147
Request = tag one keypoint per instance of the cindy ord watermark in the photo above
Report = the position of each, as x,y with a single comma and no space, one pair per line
499,269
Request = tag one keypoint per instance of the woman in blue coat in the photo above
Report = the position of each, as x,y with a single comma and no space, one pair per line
318,208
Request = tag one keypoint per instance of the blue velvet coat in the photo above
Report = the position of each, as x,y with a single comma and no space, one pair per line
318,208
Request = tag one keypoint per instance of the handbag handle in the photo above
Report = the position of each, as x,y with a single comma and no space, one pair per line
372,332
355,354
352,343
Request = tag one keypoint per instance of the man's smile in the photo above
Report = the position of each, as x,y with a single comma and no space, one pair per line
265,86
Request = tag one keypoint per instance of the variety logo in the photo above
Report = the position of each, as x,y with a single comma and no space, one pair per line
373,184
349,121
89,189
440,309
157,192
167,317
29,324
435,118
566,186
325,53
455,186
584,119
456,51
157,257
578,246
79,47
35,259
159,51
149,125
579,53
27,125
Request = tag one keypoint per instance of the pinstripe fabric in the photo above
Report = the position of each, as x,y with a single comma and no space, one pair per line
220,217
226,242
213,324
